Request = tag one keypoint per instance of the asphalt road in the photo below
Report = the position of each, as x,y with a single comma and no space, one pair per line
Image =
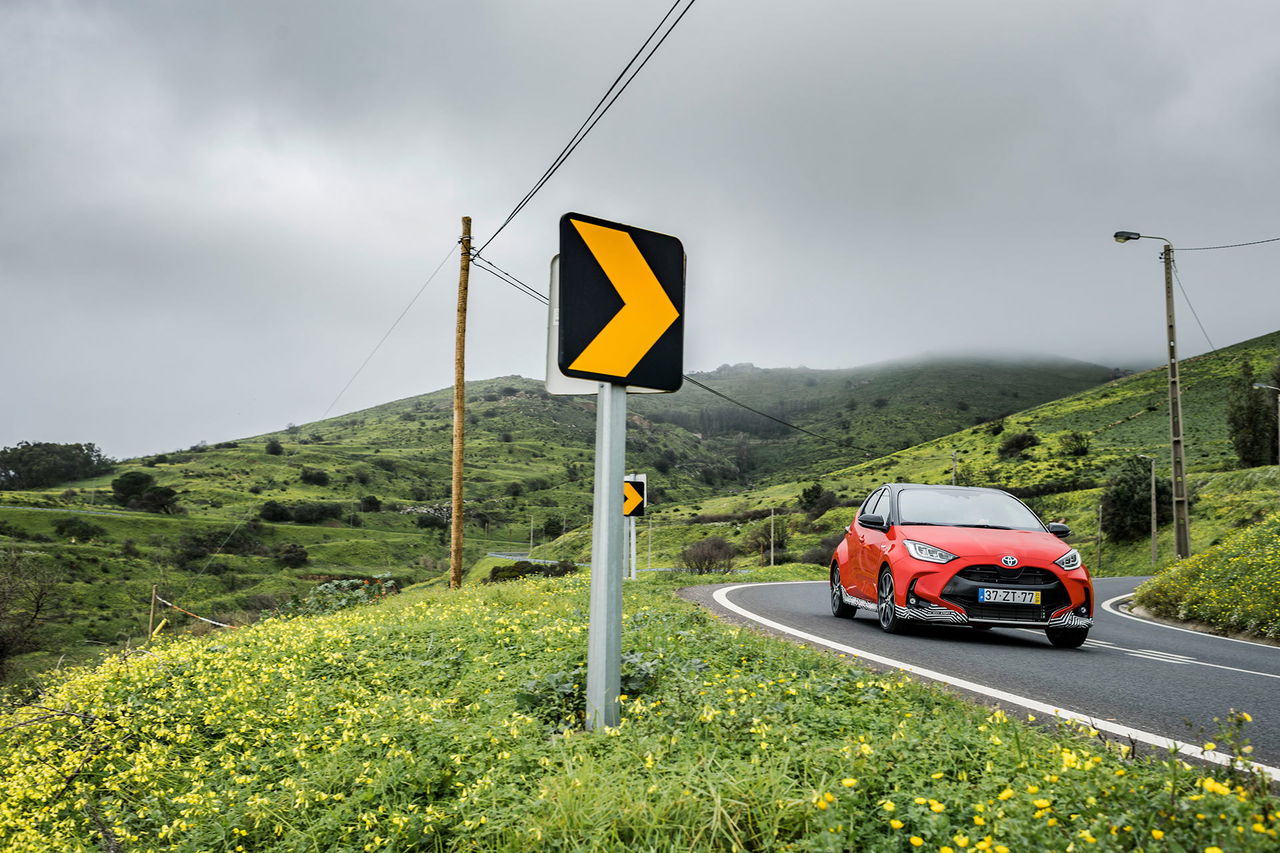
1131,675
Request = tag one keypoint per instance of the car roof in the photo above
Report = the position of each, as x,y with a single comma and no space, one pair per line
897,487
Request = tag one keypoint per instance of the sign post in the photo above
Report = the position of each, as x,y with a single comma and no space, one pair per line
619,306
634,490
604,633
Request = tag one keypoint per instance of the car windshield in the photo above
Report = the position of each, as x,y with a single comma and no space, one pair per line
962,508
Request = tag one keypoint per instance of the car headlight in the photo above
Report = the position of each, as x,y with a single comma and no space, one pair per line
1070,561
928,553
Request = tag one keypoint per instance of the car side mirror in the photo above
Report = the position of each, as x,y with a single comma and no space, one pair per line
876,521
1059,530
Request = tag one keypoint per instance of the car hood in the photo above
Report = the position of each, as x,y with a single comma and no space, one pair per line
1029,546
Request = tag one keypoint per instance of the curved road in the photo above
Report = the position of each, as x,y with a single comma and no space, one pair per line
1133,678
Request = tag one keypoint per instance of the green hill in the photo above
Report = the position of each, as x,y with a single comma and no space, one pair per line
368,492
1079,440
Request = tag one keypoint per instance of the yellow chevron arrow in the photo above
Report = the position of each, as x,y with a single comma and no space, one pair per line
630,498
647,311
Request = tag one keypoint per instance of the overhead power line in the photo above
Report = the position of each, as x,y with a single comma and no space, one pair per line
838,442
1229,246
1190,305
619,85
509,279
387,334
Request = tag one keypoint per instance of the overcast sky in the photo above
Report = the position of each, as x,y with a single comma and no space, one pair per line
210,212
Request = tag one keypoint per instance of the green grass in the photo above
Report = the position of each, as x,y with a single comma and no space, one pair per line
449,721
1233,587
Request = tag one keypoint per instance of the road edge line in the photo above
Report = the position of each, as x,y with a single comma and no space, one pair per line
721,597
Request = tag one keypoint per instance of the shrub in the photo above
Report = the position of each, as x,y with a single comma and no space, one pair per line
275,511
1074,444
708,556
274,447
314,477
524,569
291,555
815,500
339,595
1013,445
370,503
315,512
73,527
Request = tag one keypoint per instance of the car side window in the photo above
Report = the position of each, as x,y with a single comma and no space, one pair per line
871,507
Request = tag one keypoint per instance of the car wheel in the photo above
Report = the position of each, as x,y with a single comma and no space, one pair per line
1067,638
839,609
885,609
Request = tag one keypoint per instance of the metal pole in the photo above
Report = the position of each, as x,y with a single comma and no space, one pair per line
649,540
1155,523
1181,514
151,620
1097,567
604,633
456,520
771,536
634,570
953,467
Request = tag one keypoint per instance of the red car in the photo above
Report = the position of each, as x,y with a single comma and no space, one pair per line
956,555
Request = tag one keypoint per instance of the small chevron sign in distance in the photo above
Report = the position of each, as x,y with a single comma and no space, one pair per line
633,498
621,304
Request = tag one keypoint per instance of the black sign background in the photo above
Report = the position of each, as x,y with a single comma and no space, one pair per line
588,301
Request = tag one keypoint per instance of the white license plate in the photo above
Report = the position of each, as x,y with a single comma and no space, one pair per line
1008,596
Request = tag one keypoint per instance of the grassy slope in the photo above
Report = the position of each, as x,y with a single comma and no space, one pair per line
1234,586
430,723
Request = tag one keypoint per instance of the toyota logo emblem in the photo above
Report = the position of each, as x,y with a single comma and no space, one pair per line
1009,561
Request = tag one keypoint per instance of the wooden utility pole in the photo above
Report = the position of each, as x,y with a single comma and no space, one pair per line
151,619
459,405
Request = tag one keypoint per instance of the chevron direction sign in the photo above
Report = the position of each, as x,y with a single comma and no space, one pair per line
633,495
621,304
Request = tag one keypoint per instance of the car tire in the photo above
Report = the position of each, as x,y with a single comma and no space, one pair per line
886,609
1067,638
839,608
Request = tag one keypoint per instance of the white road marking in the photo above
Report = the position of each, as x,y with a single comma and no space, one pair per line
722,598
1109,606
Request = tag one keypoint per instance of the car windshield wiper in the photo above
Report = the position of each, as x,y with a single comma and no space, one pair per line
987,526
924,524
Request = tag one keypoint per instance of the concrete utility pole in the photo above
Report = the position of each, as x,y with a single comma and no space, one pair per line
1181,506
459,406
1181,513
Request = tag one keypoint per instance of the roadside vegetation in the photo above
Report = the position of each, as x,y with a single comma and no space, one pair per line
443,720
1233,587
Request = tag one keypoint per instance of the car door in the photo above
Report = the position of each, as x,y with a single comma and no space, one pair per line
865,547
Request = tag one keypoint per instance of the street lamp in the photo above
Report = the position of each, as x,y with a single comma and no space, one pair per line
1277,390
1155,523
1181,516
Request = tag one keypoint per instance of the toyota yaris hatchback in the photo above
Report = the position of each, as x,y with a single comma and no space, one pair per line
960,556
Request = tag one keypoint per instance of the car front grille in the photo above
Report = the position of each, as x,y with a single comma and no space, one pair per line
1008,612
963,588
1020,576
